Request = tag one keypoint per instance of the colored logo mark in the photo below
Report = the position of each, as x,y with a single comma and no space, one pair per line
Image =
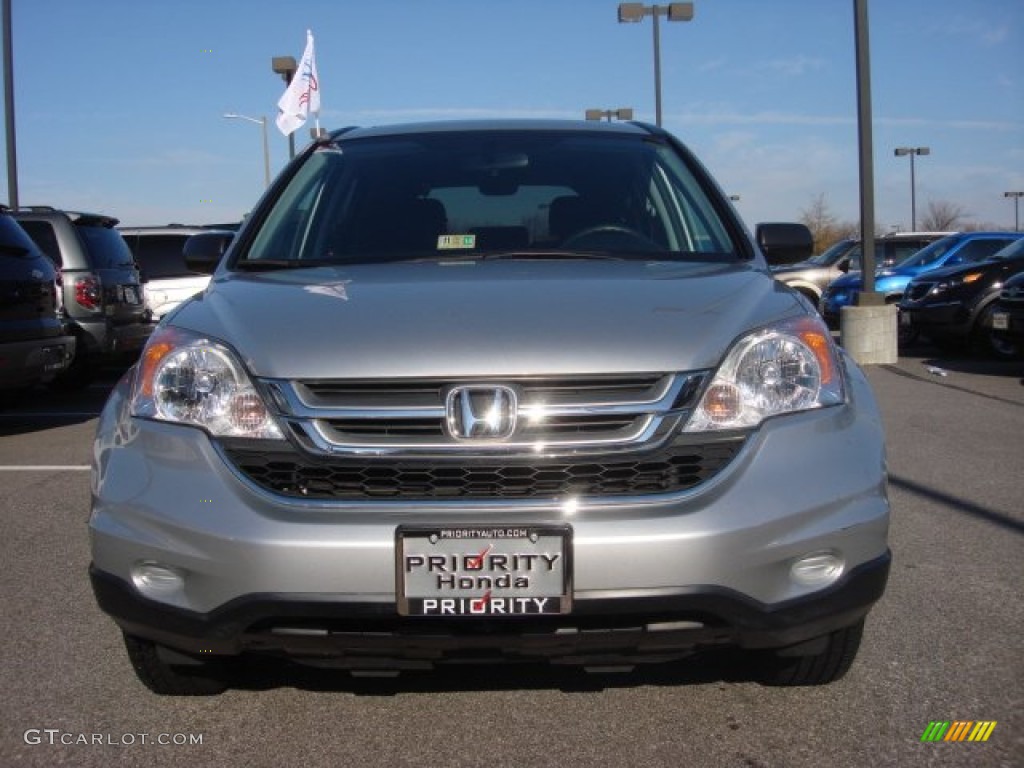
958,730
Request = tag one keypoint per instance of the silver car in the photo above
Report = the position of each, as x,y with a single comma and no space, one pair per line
509,391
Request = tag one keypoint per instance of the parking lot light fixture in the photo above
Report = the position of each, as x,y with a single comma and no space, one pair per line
262,122
912,151
1016,208
623,113
635,12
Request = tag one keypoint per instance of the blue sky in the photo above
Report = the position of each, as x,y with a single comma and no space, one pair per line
119,102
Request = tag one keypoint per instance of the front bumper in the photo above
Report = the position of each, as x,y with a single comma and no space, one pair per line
262,572
631,626
39,360
948,319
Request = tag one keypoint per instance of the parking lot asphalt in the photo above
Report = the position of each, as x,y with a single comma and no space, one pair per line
943,644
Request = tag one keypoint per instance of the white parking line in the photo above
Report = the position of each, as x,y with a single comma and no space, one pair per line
45,468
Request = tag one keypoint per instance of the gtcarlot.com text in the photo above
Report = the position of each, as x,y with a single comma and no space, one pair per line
55,737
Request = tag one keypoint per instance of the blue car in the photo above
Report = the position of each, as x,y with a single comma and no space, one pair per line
960,248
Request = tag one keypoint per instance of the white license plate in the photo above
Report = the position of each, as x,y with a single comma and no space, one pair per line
130,295
1001,321
488,570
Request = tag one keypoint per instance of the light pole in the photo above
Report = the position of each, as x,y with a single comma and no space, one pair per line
635,12
262,122
1016,208
623,113
286,67
912,151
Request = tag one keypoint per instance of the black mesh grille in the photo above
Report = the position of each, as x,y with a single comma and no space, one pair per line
291,473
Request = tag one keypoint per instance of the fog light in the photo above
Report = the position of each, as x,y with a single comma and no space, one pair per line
156,580
817,570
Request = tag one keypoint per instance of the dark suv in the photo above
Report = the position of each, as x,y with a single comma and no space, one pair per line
954,305
33,344
102,291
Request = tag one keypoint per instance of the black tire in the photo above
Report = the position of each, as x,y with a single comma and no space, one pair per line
818,668
203,678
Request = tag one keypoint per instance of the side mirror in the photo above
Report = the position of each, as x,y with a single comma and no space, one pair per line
203,251
784,243
843,265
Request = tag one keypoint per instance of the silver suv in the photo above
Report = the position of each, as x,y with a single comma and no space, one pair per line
496,392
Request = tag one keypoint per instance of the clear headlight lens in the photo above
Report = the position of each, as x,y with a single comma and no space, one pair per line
189,379
785,368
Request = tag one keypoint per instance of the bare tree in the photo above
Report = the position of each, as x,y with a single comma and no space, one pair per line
943,216
825,227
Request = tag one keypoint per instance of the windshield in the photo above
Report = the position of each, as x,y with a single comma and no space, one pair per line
832,254
930,253
107,248
479,194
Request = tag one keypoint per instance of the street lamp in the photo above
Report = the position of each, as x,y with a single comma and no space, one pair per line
1016,208
262,122
912,151
623,113
286,67
635,12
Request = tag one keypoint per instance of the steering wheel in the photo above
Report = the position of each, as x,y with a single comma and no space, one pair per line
612,237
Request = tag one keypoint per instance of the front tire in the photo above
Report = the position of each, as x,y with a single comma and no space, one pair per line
818,668
202,678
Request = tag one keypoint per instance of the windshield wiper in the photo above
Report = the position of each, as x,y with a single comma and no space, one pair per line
269,265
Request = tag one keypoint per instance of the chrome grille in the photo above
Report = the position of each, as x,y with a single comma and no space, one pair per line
559,415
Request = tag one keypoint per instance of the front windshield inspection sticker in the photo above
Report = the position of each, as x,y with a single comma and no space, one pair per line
455,242
483,571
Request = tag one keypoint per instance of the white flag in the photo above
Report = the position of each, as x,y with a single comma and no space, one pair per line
303,93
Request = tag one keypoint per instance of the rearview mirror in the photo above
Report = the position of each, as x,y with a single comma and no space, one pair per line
203,251
784,243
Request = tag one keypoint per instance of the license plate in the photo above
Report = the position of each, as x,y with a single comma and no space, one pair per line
490,571
1001,321
53,358
130,295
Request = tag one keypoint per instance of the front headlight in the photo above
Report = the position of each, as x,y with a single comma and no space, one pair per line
956,282
784,368
186,378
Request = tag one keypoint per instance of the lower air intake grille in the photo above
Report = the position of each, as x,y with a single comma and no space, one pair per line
288,472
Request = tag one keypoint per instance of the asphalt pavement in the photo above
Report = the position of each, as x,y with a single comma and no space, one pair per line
944,644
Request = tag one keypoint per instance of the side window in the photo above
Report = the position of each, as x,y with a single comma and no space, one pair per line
978,250
45,237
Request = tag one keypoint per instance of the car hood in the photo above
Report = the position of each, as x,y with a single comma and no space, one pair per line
486,318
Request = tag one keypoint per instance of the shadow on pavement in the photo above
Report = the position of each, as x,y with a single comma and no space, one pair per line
957,504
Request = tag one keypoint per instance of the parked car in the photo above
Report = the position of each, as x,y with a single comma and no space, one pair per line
34,344
102,294
960,248
491,391
811,277
166,279
952,305
1007,318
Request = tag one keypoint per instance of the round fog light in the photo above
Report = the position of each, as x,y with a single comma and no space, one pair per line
156,580
817,570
